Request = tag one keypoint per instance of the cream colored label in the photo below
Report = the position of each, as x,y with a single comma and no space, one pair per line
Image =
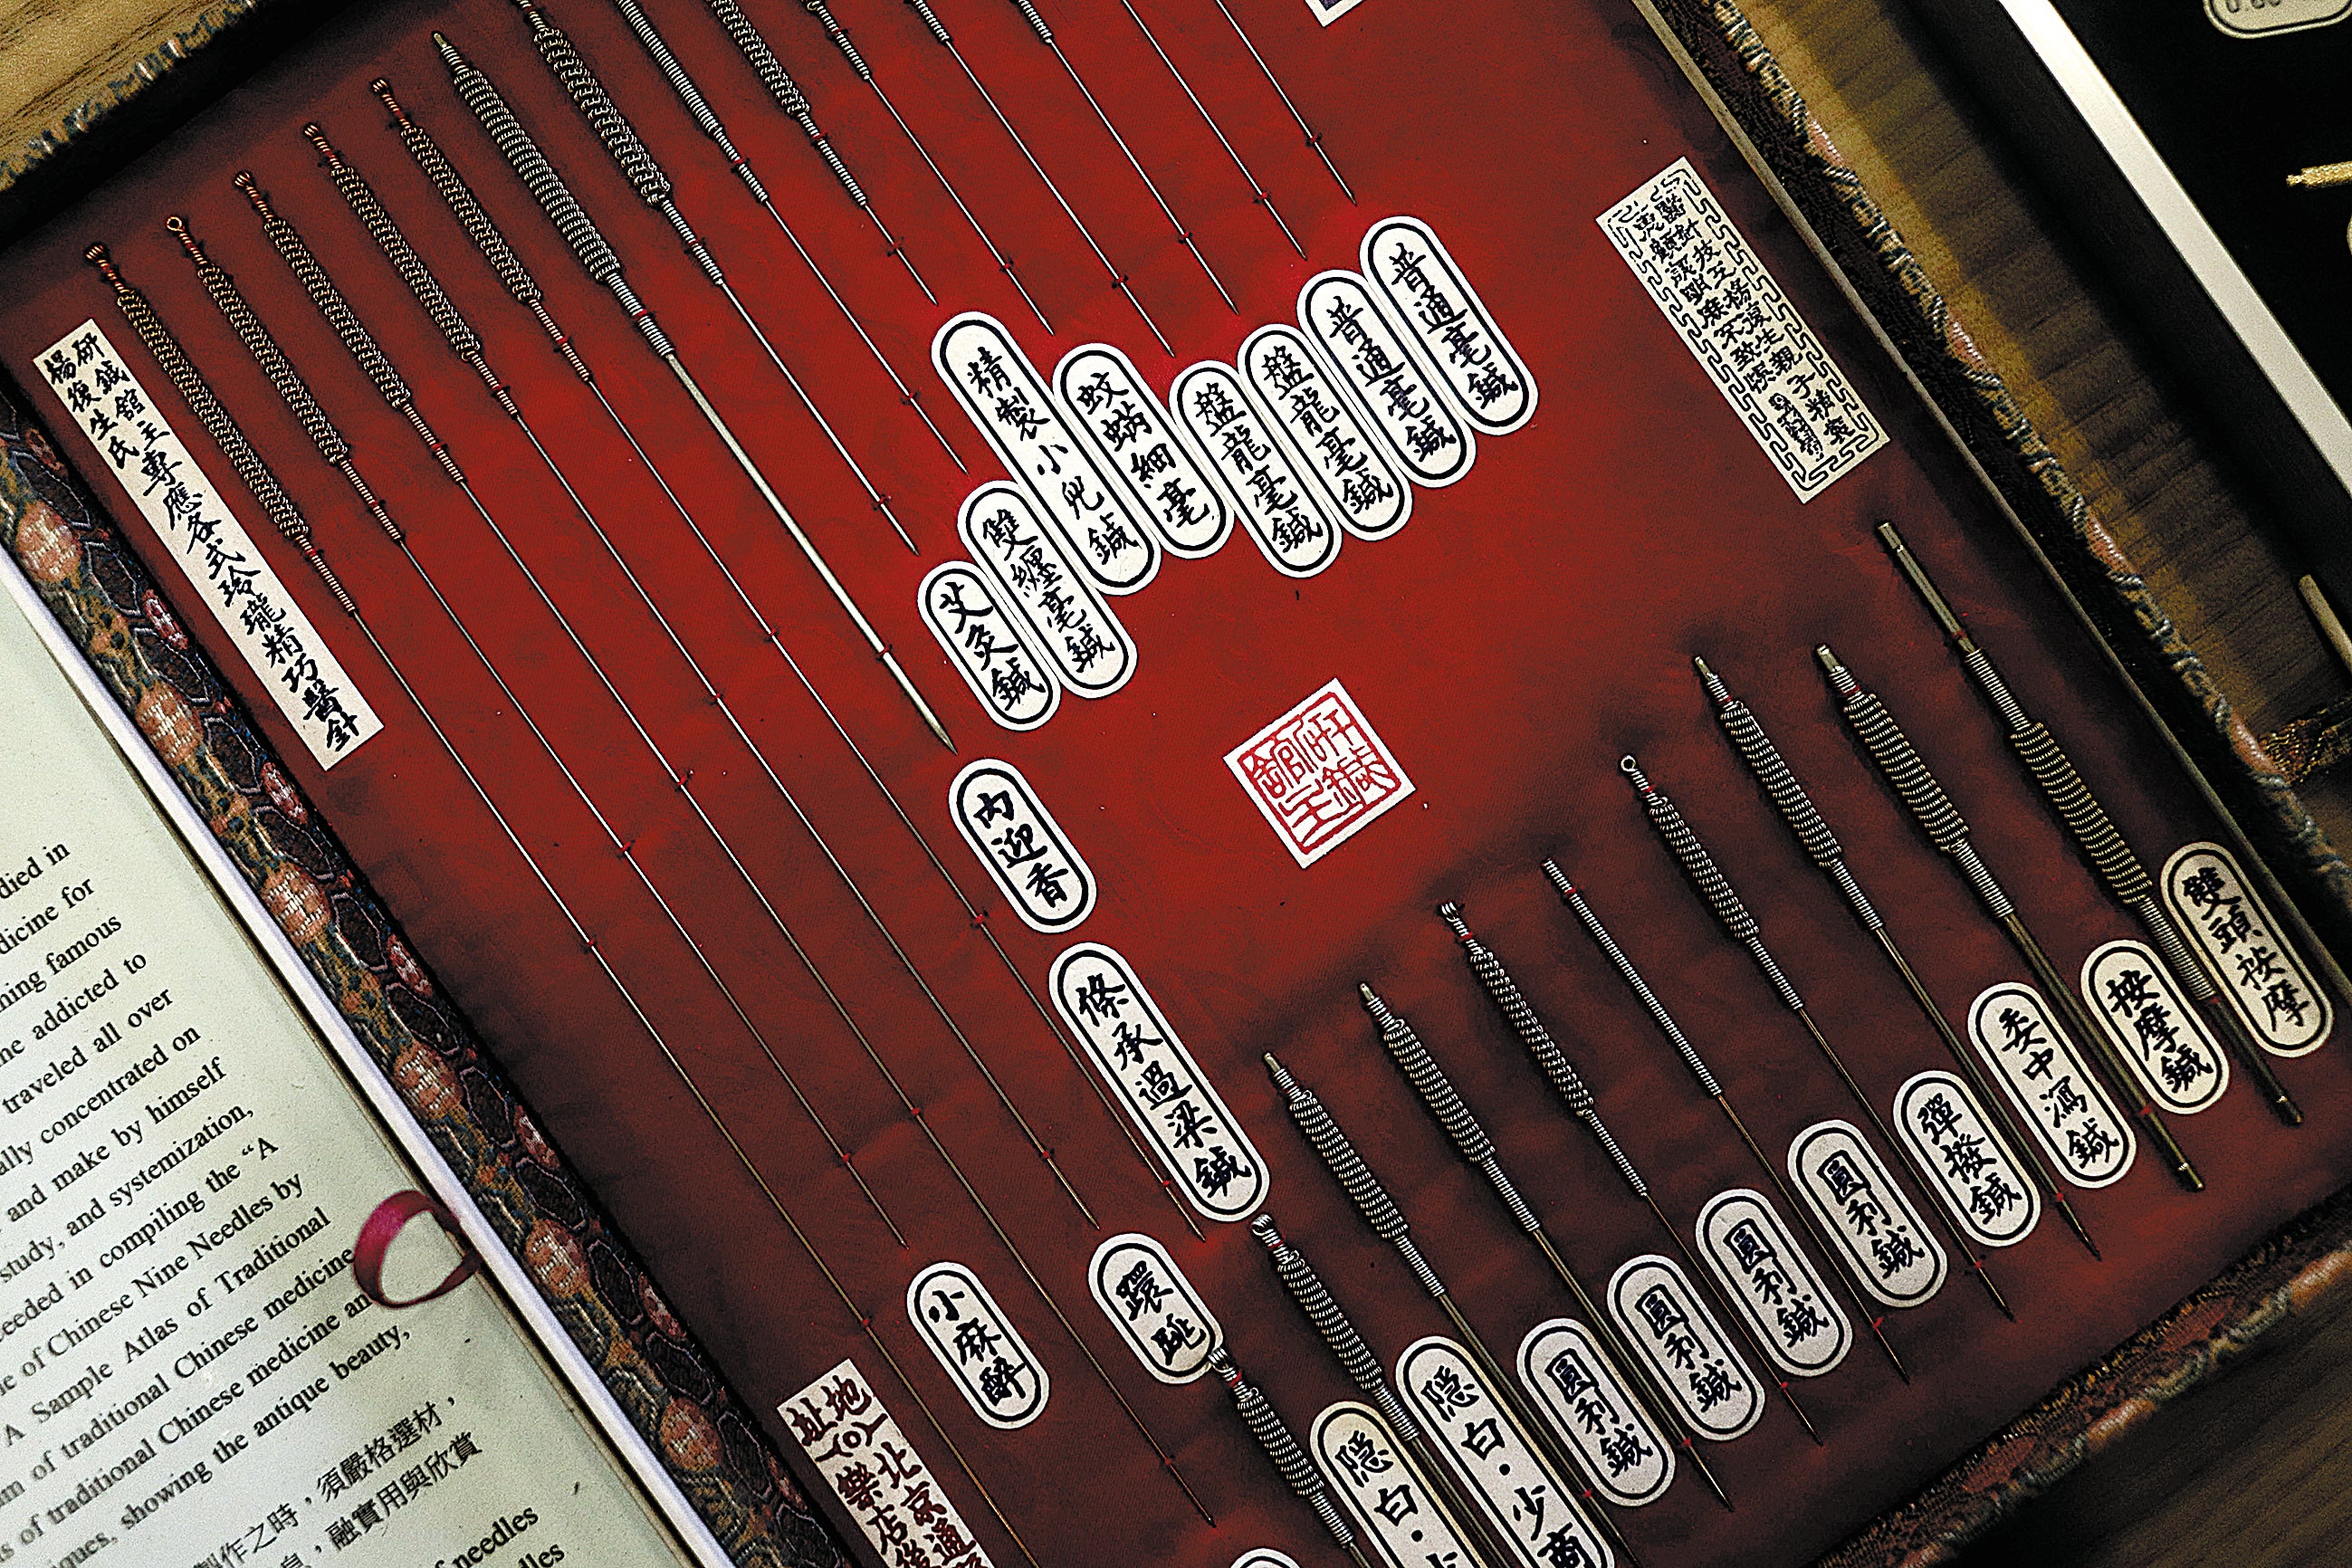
2242,948
855,1445
2257,18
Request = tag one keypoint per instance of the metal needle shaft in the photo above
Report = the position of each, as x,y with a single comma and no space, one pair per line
1257,192
1276,1438
1314,138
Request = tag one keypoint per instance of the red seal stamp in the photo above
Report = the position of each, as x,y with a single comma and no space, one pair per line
1319,773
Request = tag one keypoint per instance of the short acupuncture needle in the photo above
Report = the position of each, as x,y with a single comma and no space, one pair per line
1805,820
1266,1426
1118,280
1257,192
1314,138
696,106
1708,879
524,288
597,257
1504,992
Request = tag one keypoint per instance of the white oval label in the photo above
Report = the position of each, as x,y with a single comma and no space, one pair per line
1773,1283
1528,1503
1866,1213
1363,355
1266,1557
1622,1453
1089,650
1431,306
1157,1080
2154,1028
983,1353
1322,432
1382,1485
1134,440
2051,1085
2244,951
1002,391
990,646
1686,1350
1154,1307
1024,849
1953,1140
1279,507
2258,18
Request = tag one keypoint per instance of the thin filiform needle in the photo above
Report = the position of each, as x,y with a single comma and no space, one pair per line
1314,137
1257,192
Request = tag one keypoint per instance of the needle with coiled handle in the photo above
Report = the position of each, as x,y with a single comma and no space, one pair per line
1266,1426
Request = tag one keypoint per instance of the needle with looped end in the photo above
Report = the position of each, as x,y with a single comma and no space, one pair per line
1573,897
1445,1102
1804,819
789,96
1266,1426
1030,13
1257,192
696,106
1504,992
1706,879
1314,138
628,153
1948,831
1363,1369
597,258
273,500
524,288
946,40
2096,834
1380,1211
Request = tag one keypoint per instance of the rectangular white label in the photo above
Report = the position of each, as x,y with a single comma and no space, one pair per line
858,1449
1715,292
126,429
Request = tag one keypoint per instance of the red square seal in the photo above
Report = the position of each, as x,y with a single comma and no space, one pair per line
1319,773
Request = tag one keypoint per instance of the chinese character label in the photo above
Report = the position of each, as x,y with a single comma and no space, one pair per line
2135,1000
1731,313
1023,846
983,1353
1133,438
2258,18
1090,651
236,582
2245,951
1329,11
1380,1483
1685,1347
1279,507
857,1447
1155,1078
1526,1502
1319,773
1621,1451
1154,1307
1320,431
996,384
2046,1079
991,647
1431,306
1982,1180
1266,1557
1870,1218
1365,355
1773,1283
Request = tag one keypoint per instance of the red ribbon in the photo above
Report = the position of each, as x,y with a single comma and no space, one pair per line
390,1218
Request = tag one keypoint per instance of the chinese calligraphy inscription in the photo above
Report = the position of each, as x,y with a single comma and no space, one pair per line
1278,507
1381,1484
1621,1451
1319,773
1693,1359
1528,1505
1324,436
2053,1087
983,1353
2154,1027
1090,651
1365,355
1155,1078
1132,437
231,575
1773,1283
1866,1213
1428,300
1023,846
1715,292
1953,1141
991,647
1154,1307
2243,948
857,1447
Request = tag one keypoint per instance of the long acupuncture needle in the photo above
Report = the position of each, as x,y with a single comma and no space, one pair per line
755,48
691,97
467,346
1257,192
628,153
597,257
1030,13
1314,138
274,502
518,283
1273,1435
1118,280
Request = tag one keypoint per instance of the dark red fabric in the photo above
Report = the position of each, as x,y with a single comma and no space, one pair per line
1531,623
383,1228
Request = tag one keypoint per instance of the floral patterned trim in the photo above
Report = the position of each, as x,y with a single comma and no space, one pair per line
106,601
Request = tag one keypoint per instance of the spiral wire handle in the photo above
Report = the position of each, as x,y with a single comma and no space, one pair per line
1708,880
2094,833
1902,767
1804,819
1445,1102
530,166
1298,1470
